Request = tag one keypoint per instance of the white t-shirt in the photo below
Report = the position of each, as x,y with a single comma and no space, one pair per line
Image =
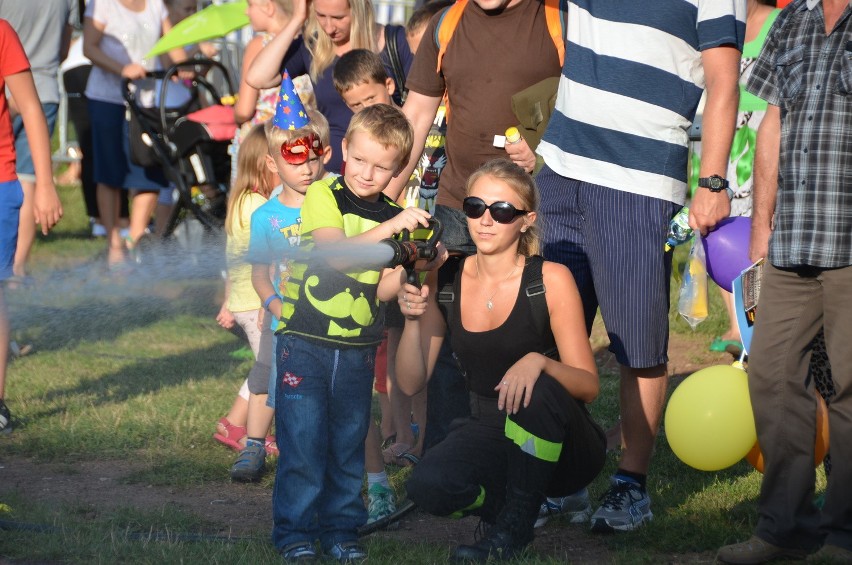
127,38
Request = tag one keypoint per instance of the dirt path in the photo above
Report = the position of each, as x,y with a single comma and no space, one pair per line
96,487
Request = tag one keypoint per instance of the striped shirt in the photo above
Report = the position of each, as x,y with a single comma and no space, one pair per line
808,75
629,90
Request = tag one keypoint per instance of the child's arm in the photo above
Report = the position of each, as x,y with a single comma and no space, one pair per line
263,287
265,70
345,253
46,204
246,104
421,337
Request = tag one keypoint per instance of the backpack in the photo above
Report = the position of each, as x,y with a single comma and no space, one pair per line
398,72
555,12
535,292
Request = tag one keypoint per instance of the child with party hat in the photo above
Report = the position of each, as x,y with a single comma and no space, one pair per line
297,151
326,344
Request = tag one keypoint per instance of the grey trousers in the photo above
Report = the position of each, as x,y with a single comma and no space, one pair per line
794,305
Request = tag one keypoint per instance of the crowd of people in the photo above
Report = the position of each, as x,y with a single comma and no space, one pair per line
480,356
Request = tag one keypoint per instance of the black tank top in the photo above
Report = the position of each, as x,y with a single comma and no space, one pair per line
486,356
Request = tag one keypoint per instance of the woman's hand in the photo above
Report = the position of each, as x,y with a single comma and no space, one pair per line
518,382
441,257
300,11
133,71
412,301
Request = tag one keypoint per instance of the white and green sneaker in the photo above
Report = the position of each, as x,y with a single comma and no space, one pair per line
381,503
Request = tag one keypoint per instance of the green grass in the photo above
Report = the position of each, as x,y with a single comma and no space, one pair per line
130,372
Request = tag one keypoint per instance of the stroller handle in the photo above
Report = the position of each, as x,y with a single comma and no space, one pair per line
199,65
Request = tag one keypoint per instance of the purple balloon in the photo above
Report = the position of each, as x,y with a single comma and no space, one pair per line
726,250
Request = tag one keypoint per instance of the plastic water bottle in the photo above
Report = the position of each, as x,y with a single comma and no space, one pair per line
679,230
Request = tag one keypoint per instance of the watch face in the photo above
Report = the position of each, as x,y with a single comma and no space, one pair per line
716,184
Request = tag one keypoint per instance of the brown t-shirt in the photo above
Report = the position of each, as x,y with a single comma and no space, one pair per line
489,58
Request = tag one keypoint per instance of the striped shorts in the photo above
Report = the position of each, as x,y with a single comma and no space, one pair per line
613,243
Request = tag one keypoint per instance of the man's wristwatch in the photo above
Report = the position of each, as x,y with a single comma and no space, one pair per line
715,183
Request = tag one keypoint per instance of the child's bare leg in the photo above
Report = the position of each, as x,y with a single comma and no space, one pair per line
237,417
373,461
400,402
388,426
259,417
141,210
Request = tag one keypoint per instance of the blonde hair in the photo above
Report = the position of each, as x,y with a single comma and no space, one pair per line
362,35
285,5
276,137
252,175
387,126
524,186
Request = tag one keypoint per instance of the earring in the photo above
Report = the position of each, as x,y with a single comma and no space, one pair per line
523,230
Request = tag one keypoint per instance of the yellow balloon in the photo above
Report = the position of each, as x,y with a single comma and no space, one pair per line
709,423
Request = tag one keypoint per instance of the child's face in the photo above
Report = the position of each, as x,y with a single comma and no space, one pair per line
181,9
368,93
415,37
299,176
257,13
370,166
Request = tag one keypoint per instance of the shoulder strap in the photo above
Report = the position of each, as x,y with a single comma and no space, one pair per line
447,288
555,12
447,24
536,294
391,33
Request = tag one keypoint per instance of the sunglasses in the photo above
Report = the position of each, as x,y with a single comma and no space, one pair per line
298,151
502,212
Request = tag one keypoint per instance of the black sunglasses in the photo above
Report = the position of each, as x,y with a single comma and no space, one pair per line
503,212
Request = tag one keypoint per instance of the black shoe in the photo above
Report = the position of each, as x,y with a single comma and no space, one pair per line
497,546
510,535
5,419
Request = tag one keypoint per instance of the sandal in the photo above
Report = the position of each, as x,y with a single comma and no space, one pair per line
388,441
400,454
230,435
270,446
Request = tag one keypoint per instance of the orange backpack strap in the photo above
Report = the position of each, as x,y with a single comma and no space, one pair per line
555,12
445,28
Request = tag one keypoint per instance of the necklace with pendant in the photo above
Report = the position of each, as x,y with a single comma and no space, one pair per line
488,303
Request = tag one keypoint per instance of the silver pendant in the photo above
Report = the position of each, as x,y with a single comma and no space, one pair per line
489,305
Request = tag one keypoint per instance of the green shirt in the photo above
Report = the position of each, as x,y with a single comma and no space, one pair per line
331,307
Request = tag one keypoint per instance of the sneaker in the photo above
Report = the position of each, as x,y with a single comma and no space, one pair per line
250,464
348,552
5,419
755,550
381,503
574,507
626,506
300,552
831,554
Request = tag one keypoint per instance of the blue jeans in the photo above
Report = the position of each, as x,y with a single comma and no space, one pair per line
24,166
322,411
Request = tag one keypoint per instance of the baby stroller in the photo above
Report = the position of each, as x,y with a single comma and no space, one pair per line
189,142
